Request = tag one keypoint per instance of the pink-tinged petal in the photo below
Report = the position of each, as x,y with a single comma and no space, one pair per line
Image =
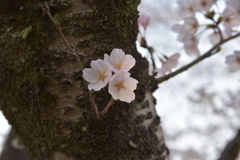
90,75
107,59
143,20
96,86
233,61
98,76
113,90
105,68
233,67
171,63
96,64
121,86
230,59
231,19
121,75
214,38
237,54
116,55
192,51
128,63
126,95
190,25
119,61
191,45
204,5
176,27
160,72
235,4
227,30
186,8
175,56
130,83
150,69
189,28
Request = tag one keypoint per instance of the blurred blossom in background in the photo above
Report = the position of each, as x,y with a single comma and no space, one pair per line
199,108
4,129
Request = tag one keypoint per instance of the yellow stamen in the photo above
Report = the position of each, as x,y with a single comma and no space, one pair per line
118,66
120,85
238,59
101,76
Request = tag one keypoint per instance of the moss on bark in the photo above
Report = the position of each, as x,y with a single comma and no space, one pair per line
42,93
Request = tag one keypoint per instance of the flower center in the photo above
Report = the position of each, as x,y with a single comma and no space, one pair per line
120,85
118,66
190,9
238,60
101,76
203,3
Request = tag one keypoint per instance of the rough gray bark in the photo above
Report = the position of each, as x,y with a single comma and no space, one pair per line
43,94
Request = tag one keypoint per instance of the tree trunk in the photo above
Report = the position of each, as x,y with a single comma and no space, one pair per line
45,98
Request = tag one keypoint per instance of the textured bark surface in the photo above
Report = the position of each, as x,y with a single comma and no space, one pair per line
43,94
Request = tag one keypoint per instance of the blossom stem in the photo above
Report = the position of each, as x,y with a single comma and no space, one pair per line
209,53
219,30
93,104
107,107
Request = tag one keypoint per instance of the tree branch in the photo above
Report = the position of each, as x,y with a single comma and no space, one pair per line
209,53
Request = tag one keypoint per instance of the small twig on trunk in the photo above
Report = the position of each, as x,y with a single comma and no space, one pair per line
57,25
72,51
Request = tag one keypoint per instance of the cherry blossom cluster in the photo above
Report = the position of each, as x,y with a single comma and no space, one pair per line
187,31
233,61
187,9
121,85
143,20
187,35
167,65
229,19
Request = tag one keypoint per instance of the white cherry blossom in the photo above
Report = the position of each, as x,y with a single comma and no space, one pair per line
235,4
189,28
233,61
98,76
171,62
143,20
204,5
214,37
230,19
191,45
122,85
186,8
119,61
160,72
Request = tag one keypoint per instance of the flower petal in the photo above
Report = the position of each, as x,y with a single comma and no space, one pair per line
128,63
89,75
126,95
131,83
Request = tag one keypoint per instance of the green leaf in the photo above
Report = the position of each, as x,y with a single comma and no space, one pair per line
25,32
